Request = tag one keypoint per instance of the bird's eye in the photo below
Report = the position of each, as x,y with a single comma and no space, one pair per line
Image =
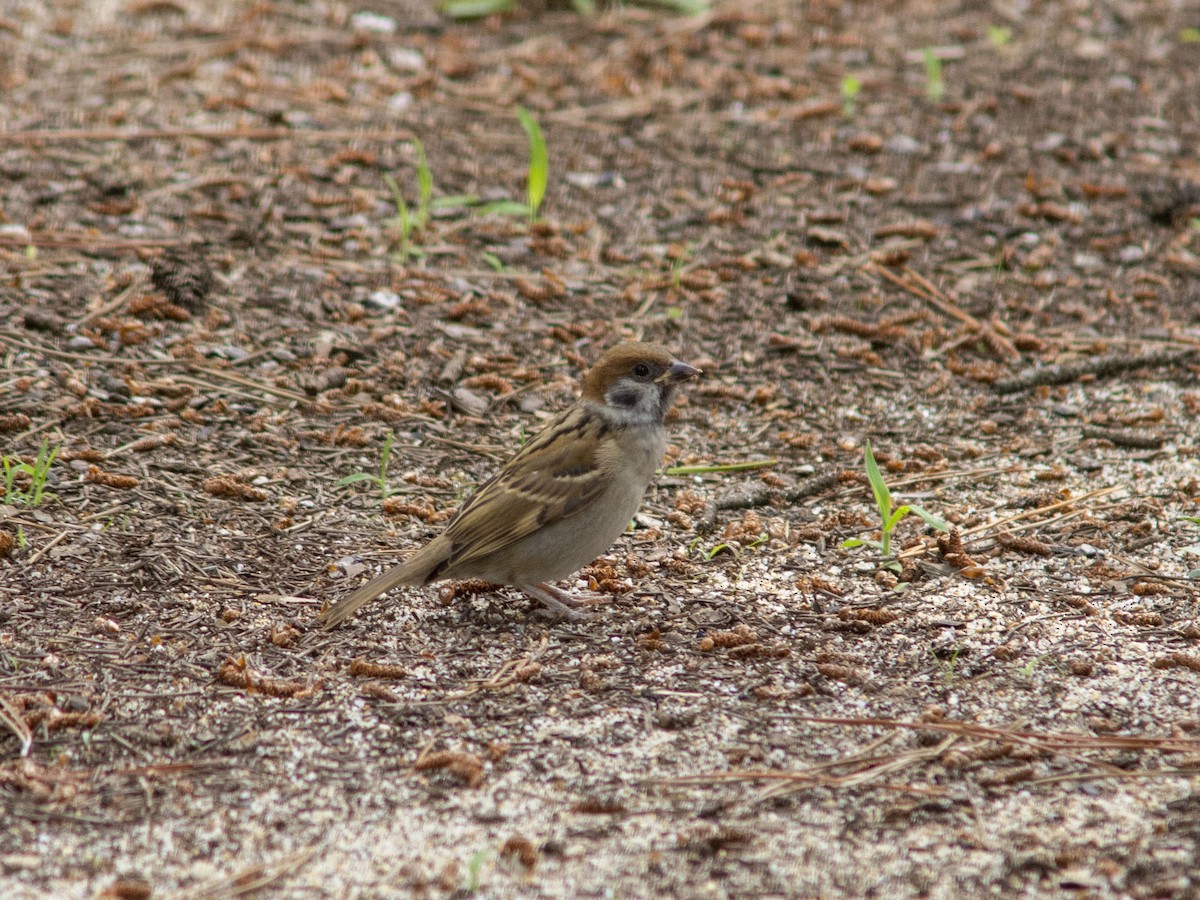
641,370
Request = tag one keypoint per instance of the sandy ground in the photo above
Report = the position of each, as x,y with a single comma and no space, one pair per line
209,309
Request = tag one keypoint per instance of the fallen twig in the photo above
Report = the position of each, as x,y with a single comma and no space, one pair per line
89,135
1098,366
1016,517
1132,438
922,288
1042,740
252,879
508,674
11,716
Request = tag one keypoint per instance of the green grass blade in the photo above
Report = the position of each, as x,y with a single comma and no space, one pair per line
862,542
929,519
883,497
999,35
402,221
397,197
539,161
405,221
935,87
851,87
454,201
894,519
475,9
726,548
717,469
424,185
45,459
38,473
504,208
356,478
683,7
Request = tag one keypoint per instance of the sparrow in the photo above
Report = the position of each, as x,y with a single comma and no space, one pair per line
564,498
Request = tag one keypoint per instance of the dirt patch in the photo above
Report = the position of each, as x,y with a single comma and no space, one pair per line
987,265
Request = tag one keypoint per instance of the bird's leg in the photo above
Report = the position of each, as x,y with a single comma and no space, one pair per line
576,600
559,601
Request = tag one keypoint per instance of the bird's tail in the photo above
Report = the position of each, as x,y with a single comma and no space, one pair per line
421,568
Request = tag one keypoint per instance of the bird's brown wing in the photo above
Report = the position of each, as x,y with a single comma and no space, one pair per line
558,474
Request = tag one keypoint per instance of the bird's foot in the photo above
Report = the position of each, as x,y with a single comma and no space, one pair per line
562,604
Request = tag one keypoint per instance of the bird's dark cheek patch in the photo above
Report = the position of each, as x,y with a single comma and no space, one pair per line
624,397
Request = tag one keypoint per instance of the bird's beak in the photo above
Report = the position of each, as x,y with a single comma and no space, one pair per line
678,372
